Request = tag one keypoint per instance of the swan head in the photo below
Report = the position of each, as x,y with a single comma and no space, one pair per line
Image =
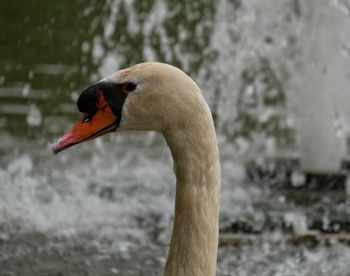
149,96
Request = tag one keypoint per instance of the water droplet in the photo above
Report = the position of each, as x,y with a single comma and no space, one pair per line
34,117
298,179
26,89
85,47
74,96
30,75
114,270
297,221
97,50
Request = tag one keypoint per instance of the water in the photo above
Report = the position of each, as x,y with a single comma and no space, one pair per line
106,207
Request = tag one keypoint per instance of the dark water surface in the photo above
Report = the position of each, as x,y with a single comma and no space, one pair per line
106,207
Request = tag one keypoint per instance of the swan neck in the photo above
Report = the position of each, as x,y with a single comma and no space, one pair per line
194,241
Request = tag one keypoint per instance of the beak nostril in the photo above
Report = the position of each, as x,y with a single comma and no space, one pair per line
87,118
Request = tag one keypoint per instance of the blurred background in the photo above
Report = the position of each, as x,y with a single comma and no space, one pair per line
276,74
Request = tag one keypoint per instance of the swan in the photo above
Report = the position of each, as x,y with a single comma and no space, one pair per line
154,96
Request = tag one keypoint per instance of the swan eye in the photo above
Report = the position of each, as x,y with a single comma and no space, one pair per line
128,87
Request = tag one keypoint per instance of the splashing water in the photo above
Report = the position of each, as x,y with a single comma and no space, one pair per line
106,207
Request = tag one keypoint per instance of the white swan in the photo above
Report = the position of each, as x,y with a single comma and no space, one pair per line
160,97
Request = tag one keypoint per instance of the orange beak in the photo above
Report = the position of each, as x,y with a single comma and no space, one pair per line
89,126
